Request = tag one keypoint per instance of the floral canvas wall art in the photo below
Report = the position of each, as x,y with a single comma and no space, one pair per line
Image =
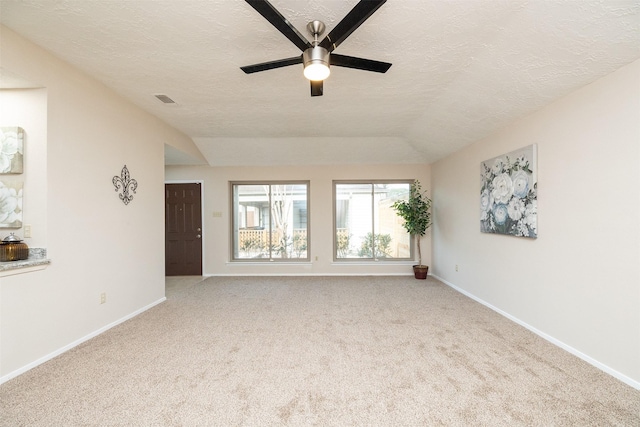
10,204
11,150
509,194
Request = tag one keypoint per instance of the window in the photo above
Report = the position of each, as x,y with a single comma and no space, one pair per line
270,221
366,226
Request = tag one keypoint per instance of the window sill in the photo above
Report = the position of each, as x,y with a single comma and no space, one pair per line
272,263
374,262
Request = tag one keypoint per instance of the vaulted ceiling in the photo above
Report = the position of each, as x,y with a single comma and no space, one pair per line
461,70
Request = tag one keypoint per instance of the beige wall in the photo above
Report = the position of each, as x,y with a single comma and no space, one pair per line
95,242
217,230
578,283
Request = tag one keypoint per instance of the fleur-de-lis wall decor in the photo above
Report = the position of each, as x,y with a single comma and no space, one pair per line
126,184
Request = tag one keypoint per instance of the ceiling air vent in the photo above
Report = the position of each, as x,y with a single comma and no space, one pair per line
165,99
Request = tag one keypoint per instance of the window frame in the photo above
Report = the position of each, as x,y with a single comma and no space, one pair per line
234,219
373,259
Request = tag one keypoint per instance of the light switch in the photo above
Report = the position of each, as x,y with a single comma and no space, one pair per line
217,214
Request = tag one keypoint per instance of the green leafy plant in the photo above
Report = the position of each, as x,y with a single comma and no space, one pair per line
252,246
299,245
381,243
342,244
416,213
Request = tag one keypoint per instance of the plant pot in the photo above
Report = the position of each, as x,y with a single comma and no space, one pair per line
420,271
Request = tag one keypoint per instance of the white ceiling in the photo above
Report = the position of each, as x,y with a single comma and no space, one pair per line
461,70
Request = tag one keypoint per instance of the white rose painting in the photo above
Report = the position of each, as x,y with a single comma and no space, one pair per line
11,150
10,204
509,193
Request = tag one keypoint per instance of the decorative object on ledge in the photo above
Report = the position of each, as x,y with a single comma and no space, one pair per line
13,248
10,204
125,183
509,194
11,150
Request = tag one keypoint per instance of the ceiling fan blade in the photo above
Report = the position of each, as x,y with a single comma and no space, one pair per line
316,87
264,8
279,63
358,63
360,13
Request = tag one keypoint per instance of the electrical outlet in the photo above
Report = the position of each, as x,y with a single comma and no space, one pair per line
217,214
103,298
456,267
27,231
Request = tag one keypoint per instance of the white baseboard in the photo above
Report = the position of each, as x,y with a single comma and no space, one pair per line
303,274
77,342
625,379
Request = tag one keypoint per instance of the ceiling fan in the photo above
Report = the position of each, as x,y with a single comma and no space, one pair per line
317,56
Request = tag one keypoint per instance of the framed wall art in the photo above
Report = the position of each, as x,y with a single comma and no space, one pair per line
10,204
509,194
11,150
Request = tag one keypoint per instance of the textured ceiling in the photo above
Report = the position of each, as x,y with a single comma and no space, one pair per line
461,70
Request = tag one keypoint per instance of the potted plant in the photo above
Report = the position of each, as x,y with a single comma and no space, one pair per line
417,219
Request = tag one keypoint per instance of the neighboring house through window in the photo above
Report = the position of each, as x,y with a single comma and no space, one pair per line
270,221
366,226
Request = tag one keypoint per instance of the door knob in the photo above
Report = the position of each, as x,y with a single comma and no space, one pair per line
198,236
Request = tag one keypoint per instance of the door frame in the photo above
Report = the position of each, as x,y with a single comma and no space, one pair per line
201,182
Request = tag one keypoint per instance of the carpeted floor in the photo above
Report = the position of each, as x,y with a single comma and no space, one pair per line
317,351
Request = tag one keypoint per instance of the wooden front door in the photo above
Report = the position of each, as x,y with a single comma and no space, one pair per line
183,230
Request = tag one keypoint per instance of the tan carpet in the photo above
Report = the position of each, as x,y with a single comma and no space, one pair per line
326,351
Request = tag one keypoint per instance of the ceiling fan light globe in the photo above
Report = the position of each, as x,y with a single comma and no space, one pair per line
316,63
317,71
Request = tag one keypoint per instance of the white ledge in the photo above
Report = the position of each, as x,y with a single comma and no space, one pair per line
25,266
